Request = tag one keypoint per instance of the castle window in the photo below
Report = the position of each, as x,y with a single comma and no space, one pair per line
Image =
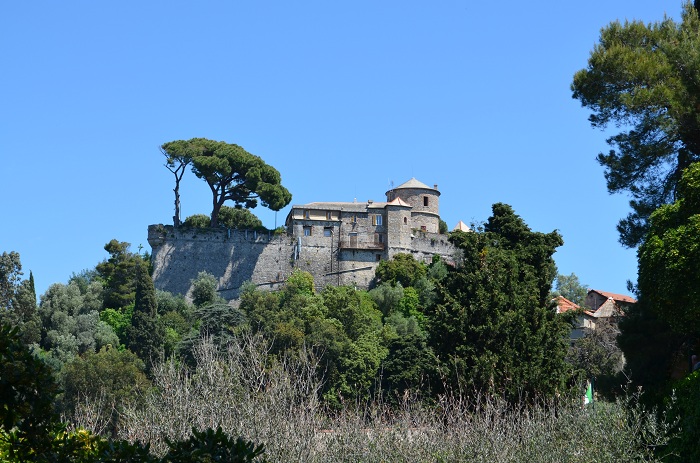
378,257
378,238
425,201
423,228
307,231
327,231
328,215
405,220
376,220
307,214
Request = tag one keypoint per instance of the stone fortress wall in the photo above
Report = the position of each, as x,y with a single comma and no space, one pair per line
338,243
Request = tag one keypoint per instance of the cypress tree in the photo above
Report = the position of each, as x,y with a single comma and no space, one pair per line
494,329
146,336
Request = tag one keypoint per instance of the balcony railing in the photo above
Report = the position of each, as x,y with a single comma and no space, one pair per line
353,244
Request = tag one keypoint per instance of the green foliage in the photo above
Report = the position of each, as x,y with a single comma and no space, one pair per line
402,268
643,78
119,320
597,355
146,336
176,161
663,325
71,323
209,446
352,339
118,275
239,217
197,221
686,409
387,297
442,227
18,298
650,348
29,426
437,270
494,328
232,174
112,377
669,259
571,288
204,290
10,278
410,303
410,364
27,390
219,322
168,302
299,283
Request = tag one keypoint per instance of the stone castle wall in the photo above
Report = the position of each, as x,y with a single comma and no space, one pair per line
232,256
237,256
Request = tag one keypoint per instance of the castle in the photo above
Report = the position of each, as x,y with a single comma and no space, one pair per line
339,243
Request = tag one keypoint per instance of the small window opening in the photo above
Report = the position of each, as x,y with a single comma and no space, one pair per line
327,231
328,215
307,231
425,201
307,214
379,257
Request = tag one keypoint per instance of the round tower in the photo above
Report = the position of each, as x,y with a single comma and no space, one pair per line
424,202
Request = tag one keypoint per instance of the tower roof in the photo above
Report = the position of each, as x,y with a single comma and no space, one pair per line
413,183
462,227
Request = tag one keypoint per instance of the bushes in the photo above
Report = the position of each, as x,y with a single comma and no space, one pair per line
30,430
245,393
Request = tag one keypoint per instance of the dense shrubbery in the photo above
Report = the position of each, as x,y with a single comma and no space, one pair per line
443,362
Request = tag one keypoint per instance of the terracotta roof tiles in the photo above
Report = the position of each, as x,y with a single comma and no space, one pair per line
564,305
616,297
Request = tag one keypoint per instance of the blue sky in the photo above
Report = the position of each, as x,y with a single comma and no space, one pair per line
341,97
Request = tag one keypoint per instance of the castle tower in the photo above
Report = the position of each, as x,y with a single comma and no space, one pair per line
424,202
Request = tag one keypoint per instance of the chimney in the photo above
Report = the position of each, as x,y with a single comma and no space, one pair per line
435,186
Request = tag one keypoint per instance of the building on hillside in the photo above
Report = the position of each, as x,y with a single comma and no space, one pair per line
607,304
599,307
564,305
339,243
350,238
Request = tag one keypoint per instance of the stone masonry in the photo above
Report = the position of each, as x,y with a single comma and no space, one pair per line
339,243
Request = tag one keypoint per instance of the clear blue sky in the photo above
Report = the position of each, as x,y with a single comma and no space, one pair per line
341,97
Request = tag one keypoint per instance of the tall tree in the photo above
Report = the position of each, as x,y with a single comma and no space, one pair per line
571,288
70,321
645,79
669,258
18,298
662,330
233,174
146,335
10,278
118,274
495,328
177,157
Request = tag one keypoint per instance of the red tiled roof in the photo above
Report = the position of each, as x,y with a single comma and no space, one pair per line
616,297
564,305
